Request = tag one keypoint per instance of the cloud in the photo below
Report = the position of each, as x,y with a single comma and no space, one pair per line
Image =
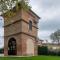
46,9
1,32
1,21
43,34
1,37
49,11
52,24
1,42
50,3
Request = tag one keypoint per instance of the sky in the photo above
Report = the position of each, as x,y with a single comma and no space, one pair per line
49,11
1,32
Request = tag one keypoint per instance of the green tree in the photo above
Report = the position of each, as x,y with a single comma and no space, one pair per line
7,5
55,36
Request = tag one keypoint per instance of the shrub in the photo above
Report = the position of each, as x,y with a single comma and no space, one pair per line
43,50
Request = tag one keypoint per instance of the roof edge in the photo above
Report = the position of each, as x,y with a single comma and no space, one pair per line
35,14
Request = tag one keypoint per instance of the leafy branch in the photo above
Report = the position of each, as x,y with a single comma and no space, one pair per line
7,6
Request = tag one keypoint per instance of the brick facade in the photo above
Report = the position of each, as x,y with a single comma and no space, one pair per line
18,28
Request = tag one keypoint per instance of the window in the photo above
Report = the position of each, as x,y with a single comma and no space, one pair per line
30,25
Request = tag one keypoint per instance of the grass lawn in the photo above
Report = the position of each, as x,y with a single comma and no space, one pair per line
31,58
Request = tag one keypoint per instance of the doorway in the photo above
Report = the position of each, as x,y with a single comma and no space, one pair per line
12,50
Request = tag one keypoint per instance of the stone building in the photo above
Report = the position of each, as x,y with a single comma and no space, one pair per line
20,34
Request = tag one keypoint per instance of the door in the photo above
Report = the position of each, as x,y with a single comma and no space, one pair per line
12,47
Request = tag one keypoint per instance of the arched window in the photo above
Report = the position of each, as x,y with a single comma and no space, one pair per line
30,25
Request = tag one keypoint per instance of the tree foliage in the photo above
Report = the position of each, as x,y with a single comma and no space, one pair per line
7,5
56,36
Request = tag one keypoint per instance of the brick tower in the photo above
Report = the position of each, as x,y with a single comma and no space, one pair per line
20,34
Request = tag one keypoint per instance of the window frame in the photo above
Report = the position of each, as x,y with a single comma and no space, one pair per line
30,25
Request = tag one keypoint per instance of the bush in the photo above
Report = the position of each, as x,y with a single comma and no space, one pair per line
52,53
1,50
43,50
59,53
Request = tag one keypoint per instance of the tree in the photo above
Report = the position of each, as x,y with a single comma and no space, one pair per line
56,36
7,5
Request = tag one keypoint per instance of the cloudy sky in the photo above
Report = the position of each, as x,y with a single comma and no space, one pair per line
1,32
49,11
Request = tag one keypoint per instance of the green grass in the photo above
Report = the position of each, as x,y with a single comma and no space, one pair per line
31,58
